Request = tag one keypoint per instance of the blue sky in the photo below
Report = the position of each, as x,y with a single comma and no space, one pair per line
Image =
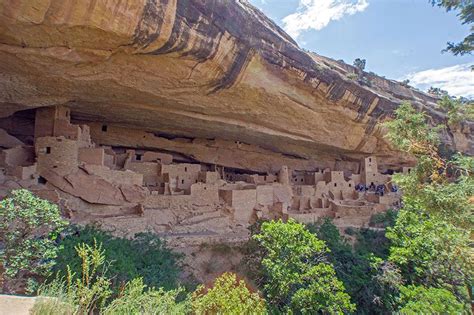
399,38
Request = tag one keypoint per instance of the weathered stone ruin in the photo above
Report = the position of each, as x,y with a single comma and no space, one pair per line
186,118
153,188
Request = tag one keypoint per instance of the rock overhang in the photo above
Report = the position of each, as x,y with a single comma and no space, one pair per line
201,69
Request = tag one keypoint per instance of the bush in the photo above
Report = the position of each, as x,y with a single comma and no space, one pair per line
227,296
135,299
353,265
352,76
88,292
83,293
422,300
384,219
145,256
372,242
298,277
430,251
29,227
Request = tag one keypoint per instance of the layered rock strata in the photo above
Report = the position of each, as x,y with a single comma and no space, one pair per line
199,69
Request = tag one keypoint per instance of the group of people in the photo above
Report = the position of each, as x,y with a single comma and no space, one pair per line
378,189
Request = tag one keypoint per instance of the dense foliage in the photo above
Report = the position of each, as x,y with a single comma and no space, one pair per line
136,298
29,227
298,276
360,64
227,296
430,251
431,244
417,259
354,263
89,290
145,256
422,300
465,10
457,109
78,293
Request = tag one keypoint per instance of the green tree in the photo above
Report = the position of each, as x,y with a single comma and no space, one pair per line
137,299
457,109
298,276
359,64
353,263
431,235
466,15
80,293
437,91
440,186
89,291
422,300
430,251
227,296
29,227
145,256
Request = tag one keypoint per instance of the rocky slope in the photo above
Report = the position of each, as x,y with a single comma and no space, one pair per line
198,69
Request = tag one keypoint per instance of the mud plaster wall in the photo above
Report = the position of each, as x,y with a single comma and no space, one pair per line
58,154
163,158
204,194
92,156
23,172
243,202
265,195
18,156
114,176
149,170
208,177
184,174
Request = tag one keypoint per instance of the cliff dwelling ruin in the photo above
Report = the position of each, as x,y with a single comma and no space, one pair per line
131,180
156,115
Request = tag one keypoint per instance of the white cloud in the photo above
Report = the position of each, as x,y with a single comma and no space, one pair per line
457,80
316,14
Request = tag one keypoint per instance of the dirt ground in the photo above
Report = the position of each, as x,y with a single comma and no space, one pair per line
16,305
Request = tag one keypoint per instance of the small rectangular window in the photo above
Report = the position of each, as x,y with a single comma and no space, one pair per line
104,128
138,157
48,150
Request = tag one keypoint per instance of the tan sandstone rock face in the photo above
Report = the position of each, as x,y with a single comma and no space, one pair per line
197,68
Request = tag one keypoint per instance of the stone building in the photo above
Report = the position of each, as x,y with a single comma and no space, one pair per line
176,194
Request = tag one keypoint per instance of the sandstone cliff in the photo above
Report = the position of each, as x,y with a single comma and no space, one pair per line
196,69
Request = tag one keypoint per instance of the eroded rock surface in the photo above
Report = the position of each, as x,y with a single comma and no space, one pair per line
200,69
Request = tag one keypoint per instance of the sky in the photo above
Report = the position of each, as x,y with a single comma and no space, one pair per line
400,39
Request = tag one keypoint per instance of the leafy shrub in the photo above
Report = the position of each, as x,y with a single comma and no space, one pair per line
353,264
88,292
29,227
431,243
298,277
53,299
384,219
372,242
359,64
135,299
227,296
145,256
422,300
405,83
430,251
352,76
81,293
